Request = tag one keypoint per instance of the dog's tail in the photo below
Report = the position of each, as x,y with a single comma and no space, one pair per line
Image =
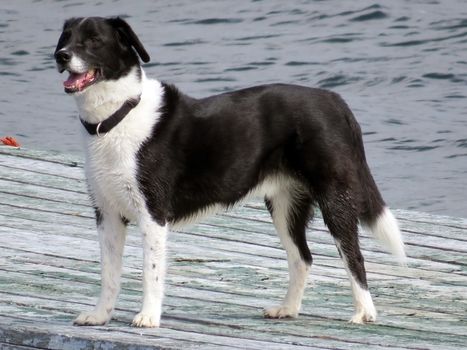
378,219
385,228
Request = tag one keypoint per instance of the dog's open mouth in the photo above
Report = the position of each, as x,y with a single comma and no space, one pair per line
80,81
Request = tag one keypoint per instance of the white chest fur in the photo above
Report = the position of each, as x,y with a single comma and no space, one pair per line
111,159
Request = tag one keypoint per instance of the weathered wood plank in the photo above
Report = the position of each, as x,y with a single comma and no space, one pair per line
16,164
23,191
43,156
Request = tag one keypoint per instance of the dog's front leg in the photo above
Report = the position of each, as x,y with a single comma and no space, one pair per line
154,266
112,232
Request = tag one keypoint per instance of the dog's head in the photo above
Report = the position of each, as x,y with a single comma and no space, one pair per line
94,49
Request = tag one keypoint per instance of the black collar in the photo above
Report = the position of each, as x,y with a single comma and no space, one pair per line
112,121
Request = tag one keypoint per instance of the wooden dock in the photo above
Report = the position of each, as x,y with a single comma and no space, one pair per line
221,274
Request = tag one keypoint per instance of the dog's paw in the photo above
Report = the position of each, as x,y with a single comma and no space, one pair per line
282,311
146,320
91,318
363,316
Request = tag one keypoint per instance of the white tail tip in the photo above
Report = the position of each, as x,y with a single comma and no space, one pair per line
386,230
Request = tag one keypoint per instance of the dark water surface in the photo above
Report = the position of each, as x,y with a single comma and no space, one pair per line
401,65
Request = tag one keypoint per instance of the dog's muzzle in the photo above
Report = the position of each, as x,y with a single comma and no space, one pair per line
81,76
62,57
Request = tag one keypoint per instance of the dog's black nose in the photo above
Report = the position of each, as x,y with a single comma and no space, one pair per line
62,56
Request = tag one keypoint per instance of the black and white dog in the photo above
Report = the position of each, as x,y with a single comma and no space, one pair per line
162,159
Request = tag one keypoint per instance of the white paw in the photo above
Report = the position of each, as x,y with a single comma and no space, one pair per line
91,318
146,320
363,316
282,311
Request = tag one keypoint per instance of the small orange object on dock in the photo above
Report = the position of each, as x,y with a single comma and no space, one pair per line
10,141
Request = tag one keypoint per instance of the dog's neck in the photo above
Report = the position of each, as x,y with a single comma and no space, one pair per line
101,100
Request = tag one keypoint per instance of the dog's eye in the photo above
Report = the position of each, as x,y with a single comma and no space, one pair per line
94,40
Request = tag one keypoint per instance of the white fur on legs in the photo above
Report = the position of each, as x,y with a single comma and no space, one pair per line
290,307
154,268
364,308
112,233
298,269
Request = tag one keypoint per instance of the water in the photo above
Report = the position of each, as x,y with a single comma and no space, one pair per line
401,65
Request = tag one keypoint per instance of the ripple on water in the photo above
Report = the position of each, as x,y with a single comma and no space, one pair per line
416,83
342,38
412,145
453,156
12,74
262,63
455,96
240,69
439,76
378,14
215,79
211,21
413,148
300,63
399,79
423,41
163,64
461,143
258,37
185,43
337,80
449,24
20,53
5,61
394,121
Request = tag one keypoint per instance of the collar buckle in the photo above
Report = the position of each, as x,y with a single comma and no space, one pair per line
97,129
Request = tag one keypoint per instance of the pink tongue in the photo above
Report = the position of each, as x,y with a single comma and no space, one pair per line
74,79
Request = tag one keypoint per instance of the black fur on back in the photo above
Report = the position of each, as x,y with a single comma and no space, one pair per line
216,149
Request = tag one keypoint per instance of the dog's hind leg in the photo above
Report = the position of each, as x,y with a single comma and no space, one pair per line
340,215
353,262
112,231
290,212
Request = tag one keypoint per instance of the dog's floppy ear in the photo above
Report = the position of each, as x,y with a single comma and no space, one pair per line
125,30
